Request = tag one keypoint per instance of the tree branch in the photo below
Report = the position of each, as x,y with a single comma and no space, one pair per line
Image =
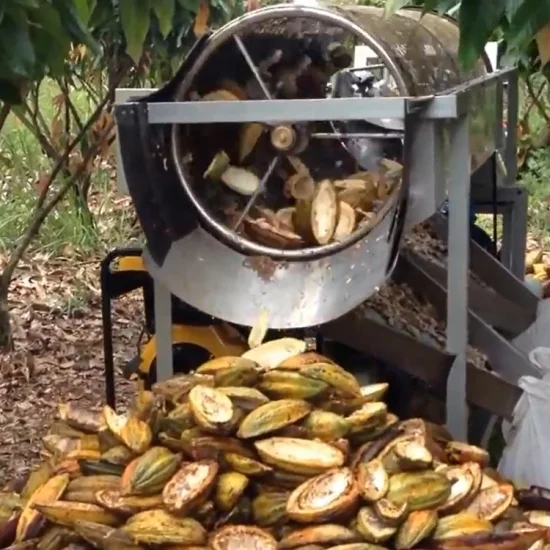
536,101
5,110
61,163
43,209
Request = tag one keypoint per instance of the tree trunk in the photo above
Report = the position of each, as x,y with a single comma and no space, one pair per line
5,327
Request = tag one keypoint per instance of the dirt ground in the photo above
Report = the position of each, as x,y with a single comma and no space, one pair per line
58,353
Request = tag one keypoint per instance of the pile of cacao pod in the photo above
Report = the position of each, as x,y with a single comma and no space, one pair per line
280,448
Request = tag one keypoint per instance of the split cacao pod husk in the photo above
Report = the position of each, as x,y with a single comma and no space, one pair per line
492,503
246,399
466,482
178,419
422,490
299,455
230,487
269,508
335,376
104,537
458,452
56,537
212,446
160,527
287,384
148,474
219,364
131,431
298,361
245,465
127,505
412,455
31,520
490,541
372,527
273,416
119,455
459,525
369,416
176,389
323,497
418,526
212,410
81,419
237,375
324,535
326,425
94,483
37,478
100,467
393,513
242,536
66,513
372,480
190,485
271,354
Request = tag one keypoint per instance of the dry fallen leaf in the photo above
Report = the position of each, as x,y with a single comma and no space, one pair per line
543,43
201,20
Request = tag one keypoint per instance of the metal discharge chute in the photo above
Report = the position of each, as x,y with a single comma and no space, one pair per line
303,218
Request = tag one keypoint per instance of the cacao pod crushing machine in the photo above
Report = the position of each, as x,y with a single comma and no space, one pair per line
273,173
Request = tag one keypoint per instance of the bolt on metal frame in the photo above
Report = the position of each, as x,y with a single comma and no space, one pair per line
424,119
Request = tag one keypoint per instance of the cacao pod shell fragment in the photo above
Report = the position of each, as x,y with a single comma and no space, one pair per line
148,474
244,537
422,490
418,526
190,485
273,416
323,497
328,534
298,455
160,527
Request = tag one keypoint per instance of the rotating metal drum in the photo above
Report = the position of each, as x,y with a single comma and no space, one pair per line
303,220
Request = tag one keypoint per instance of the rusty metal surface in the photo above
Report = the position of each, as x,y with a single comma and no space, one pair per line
425,49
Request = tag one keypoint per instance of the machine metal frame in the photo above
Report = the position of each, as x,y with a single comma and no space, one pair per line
432,176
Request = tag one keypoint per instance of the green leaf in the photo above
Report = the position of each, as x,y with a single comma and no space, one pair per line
477,19
73,24
135,24
48,19
191,5
393,5
16,47
84,9
165,10
512,7
27,3
529,18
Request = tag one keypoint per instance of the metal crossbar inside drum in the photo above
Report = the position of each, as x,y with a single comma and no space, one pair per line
304,215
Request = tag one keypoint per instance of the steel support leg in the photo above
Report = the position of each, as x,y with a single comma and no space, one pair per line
163,331
514,234
457,281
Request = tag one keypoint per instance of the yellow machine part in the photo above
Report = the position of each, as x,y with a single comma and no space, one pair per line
218,340
130,263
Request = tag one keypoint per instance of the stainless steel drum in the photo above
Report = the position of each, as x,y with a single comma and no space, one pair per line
224,265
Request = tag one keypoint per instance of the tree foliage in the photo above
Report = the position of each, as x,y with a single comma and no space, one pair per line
90,47
37,36
523,26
